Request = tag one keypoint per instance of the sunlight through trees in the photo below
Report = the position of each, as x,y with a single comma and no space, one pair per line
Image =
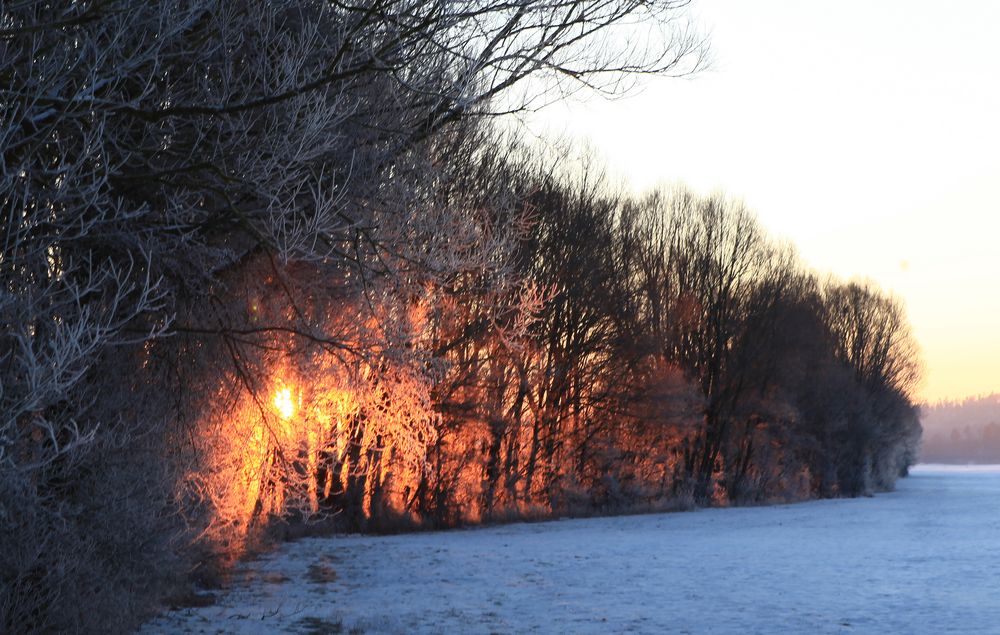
272,266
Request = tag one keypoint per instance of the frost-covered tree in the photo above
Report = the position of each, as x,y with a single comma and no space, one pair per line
161,159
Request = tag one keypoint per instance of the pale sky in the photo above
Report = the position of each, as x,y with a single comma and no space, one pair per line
865,131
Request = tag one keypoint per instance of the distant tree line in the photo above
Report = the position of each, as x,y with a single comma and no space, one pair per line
267,266
962,431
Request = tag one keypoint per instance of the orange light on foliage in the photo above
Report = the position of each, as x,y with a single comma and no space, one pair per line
283,403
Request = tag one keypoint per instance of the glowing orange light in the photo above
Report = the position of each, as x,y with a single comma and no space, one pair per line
283,403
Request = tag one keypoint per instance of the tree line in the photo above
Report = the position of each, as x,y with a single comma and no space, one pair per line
273,265
961,431
679,356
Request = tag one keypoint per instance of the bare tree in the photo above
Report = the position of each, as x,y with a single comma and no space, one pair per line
156,157
873,339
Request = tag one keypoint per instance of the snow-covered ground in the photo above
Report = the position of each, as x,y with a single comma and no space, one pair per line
924,559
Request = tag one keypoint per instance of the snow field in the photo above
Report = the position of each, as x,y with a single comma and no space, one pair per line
923,559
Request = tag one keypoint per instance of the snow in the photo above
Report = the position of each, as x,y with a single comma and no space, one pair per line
923,559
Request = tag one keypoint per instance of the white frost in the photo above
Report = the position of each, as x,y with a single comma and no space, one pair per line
924,559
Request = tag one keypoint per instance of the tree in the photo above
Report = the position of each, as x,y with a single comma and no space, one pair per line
157,157
873,340
709,272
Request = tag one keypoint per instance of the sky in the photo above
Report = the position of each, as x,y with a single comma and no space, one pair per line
866,132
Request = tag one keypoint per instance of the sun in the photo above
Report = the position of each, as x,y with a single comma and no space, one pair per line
283,403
